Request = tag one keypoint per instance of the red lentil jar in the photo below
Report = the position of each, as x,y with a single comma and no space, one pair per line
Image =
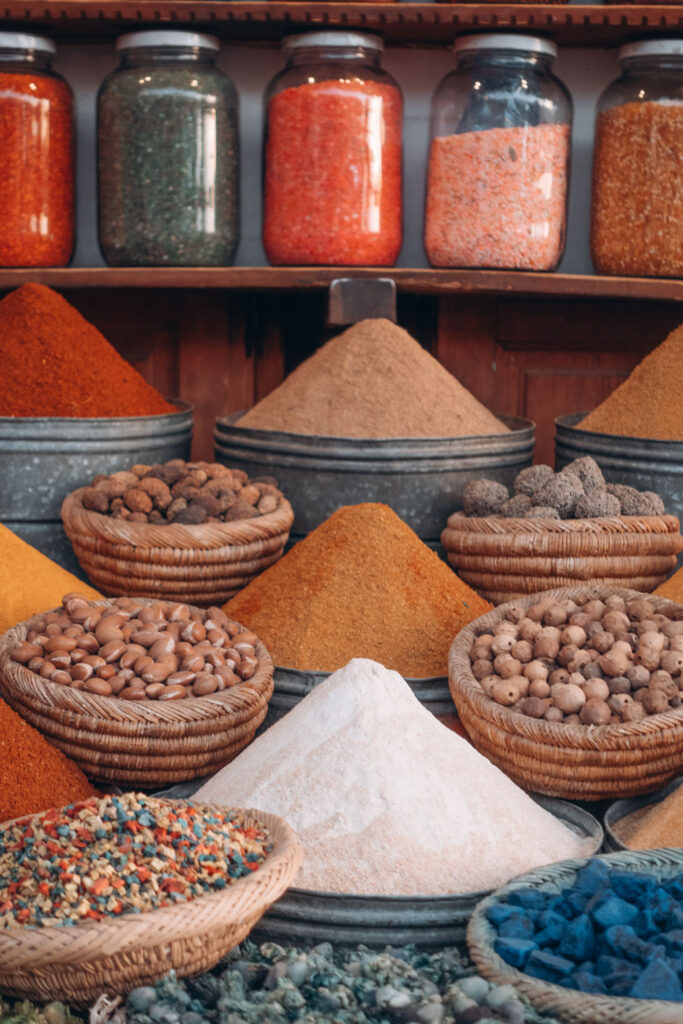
36,156
332,179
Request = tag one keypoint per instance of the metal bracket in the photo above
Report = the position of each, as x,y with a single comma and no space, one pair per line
351,299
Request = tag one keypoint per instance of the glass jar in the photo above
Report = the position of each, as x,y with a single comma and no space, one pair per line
37,221
499,157
168,154
637,205
332,176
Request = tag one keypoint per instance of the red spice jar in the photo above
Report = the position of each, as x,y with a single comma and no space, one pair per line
36,156
332,180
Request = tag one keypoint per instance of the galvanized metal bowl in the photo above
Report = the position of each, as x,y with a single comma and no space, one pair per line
42,459
304,916
622,808
422,479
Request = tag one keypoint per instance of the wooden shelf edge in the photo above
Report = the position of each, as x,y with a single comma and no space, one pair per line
421,281
589,24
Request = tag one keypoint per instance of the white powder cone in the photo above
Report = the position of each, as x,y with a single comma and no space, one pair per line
385,799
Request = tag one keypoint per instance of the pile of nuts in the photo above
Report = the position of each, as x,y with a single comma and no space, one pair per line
138,651
592,662
182,492
578,491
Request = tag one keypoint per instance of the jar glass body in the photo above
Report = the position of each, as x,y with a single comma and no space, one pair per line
37,216
168,160
637,200
499,163
332,161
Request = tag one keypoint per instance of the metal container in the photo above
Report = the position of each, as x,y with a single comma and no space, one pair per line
292,685
622,808
301,916
640,462
423,479
42,459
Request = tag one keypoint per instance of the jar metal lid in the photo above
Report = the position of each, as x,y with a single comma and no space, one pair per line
345,39
506,41
22,41
166,37
652,48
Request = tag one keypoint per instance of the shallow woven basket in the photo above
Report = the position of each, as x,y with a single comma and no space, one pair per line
569,1005
507,558
142,743
574,762
204,564
80,963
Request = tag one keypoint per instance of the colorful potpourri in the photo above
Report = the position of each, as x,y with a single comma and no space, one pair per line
120,855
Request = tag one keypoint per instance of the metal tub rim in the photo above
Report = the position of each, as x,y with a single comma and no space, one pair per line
30,428
372,448
622,808
593,438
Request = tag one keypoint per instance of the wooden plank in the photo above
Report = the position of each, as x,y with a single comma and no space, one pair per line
421,281
408,23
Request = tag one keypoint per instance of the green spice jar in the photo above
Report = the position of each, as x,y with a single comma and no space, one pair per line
168,154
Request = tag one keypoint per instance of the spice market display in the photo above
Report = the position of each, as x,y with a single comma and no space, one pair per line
407,828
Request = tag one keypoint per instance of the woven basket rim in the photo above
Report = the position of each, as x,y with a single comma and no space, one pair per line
76,517
135,713
464,686
480,934
458,521
133,928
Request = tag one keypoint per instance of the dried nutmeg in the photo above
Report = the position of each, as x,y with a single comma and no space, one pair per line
95,500
137,501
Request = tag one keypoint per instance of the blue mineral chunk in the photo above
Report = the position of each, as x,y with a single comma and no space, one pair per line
147,819
578,941
552,923
577,902
663,906
499,912
633,886
624,943
674,940
64,831
610,910
559,905
675,887
644,924
530,899
547,966
616,974
584,981
594,876
658,981
519,926
514,951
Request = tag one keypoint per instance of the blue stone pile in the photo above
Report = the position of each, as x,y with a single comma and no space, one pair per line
614,932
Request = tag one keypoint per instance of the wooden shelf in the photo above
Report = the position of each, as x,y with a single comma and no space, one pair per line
584,24
435,282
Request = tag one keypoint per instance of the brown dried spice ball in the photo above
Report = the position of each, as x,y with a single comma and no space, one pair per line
192,515
484,498
529,481
588,472
541,512
562,493
516,506
137,501
95,500
597,503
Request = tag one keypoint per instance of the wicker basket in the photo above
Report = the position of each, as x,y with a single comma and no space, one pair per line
568,761
138,743
78,964
205,564
507,558
569,1005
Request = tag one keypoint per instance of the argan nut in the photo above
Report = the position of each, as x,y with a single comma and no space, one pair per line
596,689
24,652
133,693
539,688
672,662
553,714
602,641
655,702
633,712
173,693
618,702
638,676
567,654
510,668
503,643
615,621
528,629
614,663
533,707
558,676
555,615
595,712
619,684
567,697
487,683
573,635
595,609
522,651
101,687
536,670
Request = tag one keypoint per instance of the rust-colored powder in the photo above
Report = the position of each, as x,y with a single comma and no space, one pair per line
34,775
55,363
373,380
672,589
648,403
361,585
662,826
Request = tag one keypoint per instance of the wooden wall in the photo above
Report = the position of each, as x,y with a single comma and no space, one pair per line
534,357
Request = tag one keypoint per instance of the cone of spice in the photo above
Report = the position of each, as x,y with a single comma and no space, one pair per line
31,582
648,403
662,826
373,380
55,363
360,585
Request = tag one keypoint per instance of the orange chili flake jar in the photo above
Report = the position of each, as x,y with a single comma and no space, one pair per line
36,156
332,181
